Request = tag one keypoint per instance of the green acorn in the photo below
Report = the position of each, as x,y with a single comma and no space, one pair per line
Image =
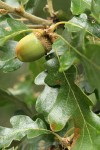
33,47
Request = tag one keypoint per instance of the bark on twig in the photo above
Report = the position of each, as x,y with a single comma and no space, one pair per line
23,13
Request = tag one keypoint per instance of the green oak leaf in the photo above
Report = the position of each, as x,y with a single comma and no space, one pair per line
95,8
79,6
83,23
92,52
15,28
67,58
86,48
69,102
8,60
42,141
22,126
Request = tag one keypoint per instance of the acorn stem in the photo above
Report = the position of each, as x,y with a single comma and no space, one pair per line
54,26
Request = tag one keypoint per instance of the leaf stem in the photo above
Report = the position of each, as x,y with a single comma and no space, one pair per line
69,131
23,13
54,26
57,136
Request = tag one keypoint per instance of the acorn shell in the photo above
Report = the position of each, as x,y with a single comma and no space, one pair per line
30,48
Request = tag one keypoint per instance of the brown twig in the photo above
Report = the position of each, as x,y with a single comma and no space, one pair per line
23,13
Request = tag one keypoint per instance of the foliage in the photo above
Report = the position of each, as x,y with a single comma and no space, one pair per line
55,99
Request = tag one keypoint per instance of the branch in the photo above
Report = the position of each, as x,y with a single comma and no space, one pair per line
21,12
36,26
50,7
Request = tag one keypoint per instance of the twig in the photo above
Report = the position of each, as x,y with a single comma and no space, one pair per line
3,11
35,26
23,13
50,8
22,19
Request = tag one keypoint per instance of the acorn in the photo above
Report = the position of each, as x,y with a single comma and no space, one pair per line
33,46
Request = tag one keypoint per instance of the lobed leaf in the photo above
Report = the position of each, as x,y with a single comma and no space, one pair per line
69,102
22,125
85,48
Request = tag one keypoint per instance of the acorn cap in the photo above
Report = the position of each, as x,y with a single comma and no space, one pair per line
45,40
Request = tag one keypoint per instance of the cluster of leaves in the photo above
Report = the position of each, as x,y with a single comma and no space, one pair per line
70,79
